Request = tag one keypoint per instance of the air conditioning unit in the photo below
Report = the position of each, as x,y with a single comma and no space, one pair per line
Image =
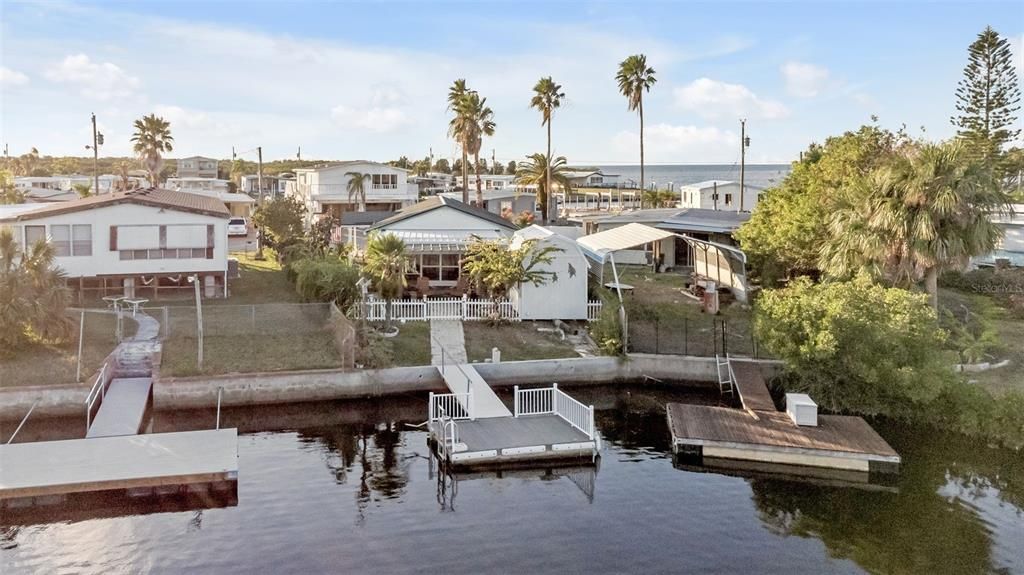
801,409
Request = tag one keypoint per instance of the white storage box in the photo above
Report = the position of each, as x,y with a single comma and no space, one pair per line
801,409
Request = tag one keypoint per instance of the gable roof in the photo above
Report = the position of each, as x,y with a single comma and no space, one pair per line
348,164
154,197
436,202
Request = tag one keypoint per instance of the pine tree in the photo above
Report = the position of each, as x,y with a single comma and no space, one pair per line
988,96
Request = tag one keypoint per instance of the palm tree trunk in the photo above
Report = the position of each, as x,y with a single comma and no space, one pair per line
641,144
931,285
465,175
476,170
547,184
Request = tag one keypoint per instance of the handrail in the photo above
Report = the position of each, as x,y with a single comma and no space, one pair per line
220,391
95,394
23,420
442,405
551,400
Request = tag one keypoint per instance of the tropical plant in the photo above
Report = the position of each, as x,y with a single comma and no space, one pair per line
547,96
327,279
496,268
357,188
280,221
988,96
385,265
126,182
152,139
461,130
476,120
927,210
33,295
84,190
536,172
442,165
635,78
8,193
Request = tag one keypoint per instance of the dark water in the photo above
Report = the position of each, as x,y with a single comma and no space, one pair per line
348,487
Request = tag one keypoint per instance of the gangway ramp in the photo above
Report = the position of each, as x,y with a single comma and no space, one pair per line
123,408
469,387
752,388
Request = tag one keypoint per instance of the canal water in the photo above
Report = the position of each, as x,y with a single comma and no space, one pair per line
349,487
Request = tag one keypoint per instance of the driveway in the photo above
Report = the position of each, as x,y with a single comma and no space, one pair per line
242,244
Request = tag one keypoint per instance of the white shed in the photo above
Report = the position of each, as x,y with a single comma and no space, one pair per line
565,296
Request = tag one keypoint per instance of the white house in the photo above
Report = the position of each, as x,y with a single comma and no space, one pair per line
436,233
1011,246
136,242
324,190
565,295
591,178
273,186
719,195
33,184
497,201
197,167
239,205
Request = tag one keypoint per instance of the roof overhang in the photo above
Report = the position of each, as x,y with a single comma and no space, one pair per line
629,236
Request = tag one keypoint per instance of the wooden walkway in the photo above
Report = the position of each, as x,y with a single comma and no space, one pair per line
123,408
464,378
751,386
47,468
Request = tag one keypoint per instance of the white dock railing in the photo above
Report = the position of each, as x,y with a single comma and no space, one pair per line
551,400
449,406
98,392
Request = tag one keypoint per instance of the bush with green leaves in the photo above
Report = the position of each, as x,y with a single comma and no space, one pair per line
326,279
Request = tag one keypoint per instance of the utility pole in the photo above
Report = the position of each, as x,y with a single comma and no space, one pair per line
259,198
97,139
298,153
493,164
234,156
744,142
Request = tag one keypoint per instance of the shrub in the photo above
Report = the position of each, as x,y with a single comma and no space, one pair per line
326,279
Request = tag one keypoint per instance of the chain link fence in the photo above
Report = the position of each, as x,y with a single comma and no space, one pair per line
705,336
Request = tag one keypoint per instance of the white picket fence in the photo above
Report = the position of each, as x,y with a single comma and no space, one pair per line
462,308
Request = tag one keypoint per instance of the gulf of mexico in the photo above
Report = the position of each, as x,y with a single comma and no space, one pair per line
764,175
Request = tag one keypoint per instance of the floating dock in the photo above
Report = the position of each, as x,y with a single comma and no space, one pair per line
123,408
133,462
472,426
760,433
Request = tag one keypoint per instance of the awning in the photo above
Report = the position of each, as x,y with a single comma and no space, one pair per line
622,238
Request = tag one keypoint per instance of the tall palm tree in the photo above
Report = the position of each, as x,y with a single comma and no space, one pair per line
460,129
385,265
635,78
547,95
539,172
479,121
357,188
929,209
152,139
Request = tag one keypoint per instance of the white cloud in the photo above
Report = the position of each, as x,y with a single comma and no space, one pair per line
666,143
180,117
10,77
97,80
804,80
373,119
714,99
1017,48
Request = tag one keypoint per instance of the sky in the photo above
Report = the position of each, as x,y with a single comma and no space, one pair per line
368,80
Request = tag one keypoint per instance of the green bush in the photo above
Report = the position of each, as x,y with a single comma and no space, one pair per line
606,330
326,279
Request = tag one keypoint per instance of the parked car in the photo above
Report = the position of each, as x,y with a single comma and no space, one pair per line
238,227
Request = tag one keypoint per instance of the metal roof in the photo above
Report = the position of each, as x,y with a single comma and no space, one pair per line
436,202
622,238
155,197
434,242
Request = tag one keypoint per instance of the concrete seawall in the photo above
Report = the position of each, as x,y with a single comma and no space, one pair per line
316,385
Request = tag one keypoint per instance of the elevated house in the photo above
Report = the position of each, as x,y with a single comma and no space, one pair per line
324,190
591,178
133,243
721,195
197,167
273,186
240,205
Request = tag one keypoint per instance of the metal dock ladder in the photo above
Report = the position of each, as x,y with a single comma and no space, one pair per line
726,377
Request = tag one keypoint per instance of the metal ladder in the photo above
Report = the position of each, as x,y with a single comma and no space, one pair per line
726,384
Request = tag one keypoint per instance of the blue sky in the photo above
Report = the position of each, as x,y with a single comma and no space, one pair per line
368,80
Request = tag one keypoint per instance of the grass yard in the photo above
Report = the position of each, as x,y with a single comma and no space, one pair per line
517,341
1009,335
49,364
412,344
259,282
250,354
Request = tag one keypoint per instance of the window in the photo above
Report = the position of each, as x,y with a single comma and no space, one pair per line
440,267
385,181
506,205
728,199
60,239
81,240
34,234
163,254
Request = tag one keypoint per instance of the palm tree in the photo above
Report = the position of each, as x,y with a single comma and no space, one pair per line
929,209
538,171
634,78
547,95
385,265
33,294
152,139
479,122
357,189
460,129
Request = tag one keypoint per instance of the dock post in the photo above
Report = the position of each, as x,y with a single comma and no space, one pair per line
554,398
430,407
515,401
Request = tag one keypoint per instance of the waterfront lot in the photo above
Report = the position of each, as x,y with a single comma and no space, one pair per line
517,341
1005,335
49,364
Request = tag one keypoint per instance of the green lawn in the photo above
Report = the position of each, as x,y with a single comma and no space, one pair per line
49,364
1010,338
412,344
250,354
259,282
517,341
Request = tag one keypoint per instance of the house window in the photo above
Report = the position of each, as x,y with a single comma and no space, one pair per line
81,240
728,199
34,234
506,205
385,181
60,239
440,267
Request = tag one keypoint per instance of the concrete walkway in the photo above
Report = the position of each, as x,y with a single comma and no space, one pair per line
447,335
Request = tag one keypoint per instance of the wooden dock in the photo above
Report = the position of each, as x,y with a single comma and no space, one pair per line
133,462
123,408
760,433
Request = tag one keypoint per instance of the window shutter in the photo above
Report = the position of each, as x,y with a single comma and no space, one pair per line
163,237
113,238
209,242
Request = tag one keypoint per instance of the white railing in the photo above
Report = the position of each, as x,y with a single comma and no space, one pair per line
450,308
449,436
449,406
98,392
593,310
551,400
